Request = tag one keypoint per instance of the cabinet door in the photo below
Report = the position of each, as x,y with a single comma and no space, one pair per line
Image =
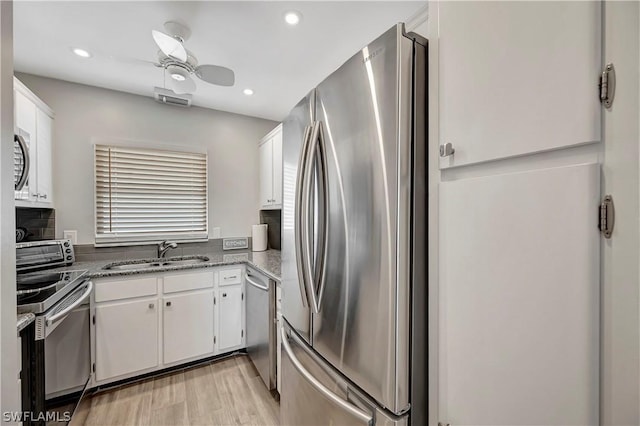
519,298
266,173
44,132
277,168
187,326
517,77
126,338
230,313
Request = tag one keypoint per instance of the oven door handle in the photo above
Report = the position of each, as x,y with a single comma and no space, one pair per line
63,313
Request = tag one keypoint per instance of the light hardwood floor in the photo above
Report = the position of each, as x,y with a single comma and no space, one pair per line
225,392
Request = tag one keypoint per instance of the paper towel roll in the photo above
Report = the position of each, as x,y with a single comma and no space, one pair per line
259,237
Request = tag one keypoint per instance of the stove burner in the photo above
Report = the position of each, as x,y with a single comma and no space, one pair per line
40,279
38,291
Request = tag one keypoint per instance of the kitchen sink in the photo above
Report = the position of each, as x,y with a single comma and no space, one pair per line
186,261
146,264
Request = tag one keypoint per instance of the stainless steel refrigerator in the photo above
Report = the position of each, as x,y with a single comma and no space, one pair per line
354,242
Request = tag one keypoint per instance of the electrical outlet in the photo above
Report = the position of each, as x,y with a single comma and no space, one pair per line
71,235
216,232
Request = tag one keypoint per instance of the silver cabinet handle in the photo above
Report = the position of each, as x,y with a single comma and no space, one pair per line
42,196
247,277
232,277
355,411
63,313
151,306
446,150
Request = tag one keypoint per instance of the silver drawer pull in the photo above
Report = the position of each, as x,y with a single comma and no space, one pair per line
231,277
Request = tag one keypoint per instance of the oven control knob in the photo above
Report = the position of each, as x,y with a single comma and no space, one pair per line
69,257
66,243
68,250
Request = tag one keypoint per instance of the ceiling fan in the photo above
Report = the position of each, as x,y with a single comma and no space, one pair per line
181,64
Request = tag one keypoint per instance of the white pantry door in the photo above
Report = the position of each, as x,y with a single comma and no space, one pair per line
518,245
519,298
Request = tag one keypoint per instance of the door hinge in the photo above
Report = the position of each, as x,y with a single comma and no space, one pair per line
214,340
93,367
607,216
214,300
94,320
242,296
607,85
241,333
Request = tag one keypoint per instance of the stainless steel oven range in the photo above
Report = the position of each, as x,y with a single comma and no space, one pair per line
59,351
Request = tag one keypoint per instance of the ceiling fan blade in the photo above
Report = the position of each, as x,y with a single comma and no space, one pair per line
169,46
216,75
185,86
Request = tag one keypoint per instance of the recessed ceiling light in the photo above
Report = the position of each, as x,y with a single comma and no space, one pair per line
248,92
178,77
293,17
81,52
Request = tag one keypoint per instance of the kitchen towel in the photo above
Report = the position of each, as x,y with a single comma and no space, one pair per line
259,237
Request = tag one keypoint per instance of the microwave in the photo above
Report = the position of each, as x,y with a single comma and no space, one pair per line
21,164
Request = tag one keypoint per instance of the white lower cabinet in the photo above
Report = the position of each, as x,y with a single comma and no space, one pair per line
187,326
230,318
153,321
126,337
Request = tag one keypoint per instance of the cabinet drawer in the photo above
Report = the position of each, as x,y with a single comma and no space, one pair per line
184,282
125,289
230,276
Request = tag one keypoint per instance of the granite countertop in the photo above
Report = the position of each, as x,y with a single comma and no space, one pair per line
267,262
24,320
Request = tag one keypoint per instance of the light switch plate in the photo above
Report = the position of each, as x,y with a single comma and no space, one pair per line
216,232
235,243
71,235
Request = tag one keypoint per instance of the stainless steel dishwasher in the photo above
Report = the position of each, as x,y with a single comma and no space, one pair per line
261,332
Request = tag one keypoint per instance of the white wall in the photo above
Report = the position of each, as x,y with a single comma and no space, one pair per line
9,389
85,113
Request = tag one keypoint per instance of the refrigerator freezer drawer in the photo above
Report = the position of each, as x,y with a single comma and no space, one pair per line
313,393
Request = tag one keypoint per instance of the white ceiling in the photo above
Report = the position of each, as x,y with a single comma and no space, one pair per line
279,62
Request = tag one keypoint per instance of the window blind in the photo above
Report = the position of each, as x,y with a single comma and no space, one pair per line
148,195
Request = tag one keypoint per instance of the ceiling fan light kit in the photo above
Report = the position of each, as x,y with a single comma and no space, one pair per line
181,64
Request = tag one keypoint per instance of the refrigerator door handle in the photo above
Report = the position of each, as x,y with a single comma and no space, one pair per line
352,409
315,146
299,218
318,135
305,217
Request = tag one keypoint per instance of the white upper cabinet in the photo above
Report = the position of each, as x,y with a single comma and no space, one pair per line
537,66
34,122
271,170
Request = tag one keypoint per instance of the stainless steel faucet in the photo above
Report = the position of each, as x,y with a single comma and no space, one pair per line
164,246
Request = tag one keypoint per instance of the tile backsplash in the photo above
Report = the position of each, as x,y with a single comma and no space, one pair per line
39,223
89,253
273,218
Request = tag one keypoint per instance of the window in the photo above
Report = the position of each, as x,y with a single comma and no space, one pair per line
149,195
